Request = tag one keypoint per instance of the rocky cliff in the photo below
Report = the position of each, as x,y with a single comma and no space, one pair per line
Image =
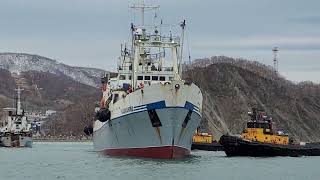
232,86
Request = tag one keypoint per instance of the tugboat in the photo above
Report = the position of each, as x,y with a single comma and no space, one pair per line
260,139
148,110
16,130
205,141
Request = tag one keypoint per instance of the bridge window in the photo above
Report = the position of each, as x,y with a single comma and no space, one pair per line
122,77
115,98
250,125
147,78
155,78
140,77
162,78
268,126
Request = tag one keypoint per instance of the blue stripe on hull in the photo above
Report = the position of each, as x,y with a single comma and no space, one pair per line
161,105
135,130
156,105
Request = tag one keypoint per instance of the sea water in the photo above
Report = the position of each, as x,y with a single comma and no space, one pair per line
77,161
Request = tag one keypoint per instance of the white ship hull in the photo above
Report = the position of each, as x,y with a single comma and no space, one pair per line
16,141
134,131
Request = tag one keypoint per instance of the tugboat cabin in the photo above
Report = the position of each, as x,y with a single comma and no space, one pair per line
259,128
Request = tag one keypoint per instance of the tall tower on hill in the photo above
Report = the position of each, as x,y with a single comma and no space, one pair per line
275,51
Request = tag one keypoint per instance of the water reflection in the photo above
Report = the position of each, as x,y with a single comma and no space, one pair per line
195,158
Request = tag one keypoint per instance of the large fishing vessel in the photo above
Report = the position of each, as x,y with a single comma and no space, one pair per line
148,110
16,131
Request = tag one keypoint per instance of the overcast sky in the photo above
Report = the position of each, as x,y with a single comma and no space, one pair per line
89,32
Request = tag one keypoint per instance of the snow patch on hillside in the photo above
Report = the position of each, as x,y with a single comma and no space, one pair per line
17,62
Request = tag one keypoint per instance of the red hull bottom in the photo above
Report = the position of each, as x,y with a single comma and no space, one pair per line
164,152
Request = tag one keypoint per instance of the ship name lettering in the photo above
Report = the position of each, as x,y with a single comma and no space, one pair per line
128,109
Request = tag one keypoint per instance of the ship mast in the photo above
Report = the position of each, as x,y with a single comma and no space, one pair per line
133,69
135,46
142,42
143,7
183,26
18,104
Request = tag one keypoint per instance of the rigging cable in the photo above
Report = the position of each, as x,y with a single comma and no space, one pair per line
189,55
217,128
188,45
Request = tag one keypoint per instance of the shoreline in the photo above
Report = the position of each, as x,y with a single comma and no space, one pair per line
58,140
61,140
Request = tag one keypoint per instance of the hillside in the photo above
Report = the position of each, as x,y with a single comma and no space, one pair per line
7,84
44,91
19,62
50,85
231,87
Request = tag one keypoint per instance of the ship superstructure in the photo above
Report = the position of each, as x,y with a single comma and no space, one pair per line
148,110
16,130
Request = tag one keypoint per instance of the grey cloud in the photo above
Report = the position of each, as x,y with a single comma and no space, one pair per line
313,20
89,32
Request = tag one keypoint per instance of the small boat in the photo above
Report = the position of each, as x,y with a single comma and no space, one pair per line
205,141
260,139
16,131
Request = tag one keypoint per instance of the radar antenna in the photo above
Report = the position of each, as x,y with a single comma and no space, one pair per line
143,7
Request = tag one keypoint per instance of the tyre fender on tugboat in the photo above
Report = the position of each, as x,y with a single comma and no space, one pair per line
103,115
88,130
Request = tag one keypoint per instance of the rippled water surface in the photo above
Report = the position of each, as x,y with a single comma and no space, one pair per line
77,161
